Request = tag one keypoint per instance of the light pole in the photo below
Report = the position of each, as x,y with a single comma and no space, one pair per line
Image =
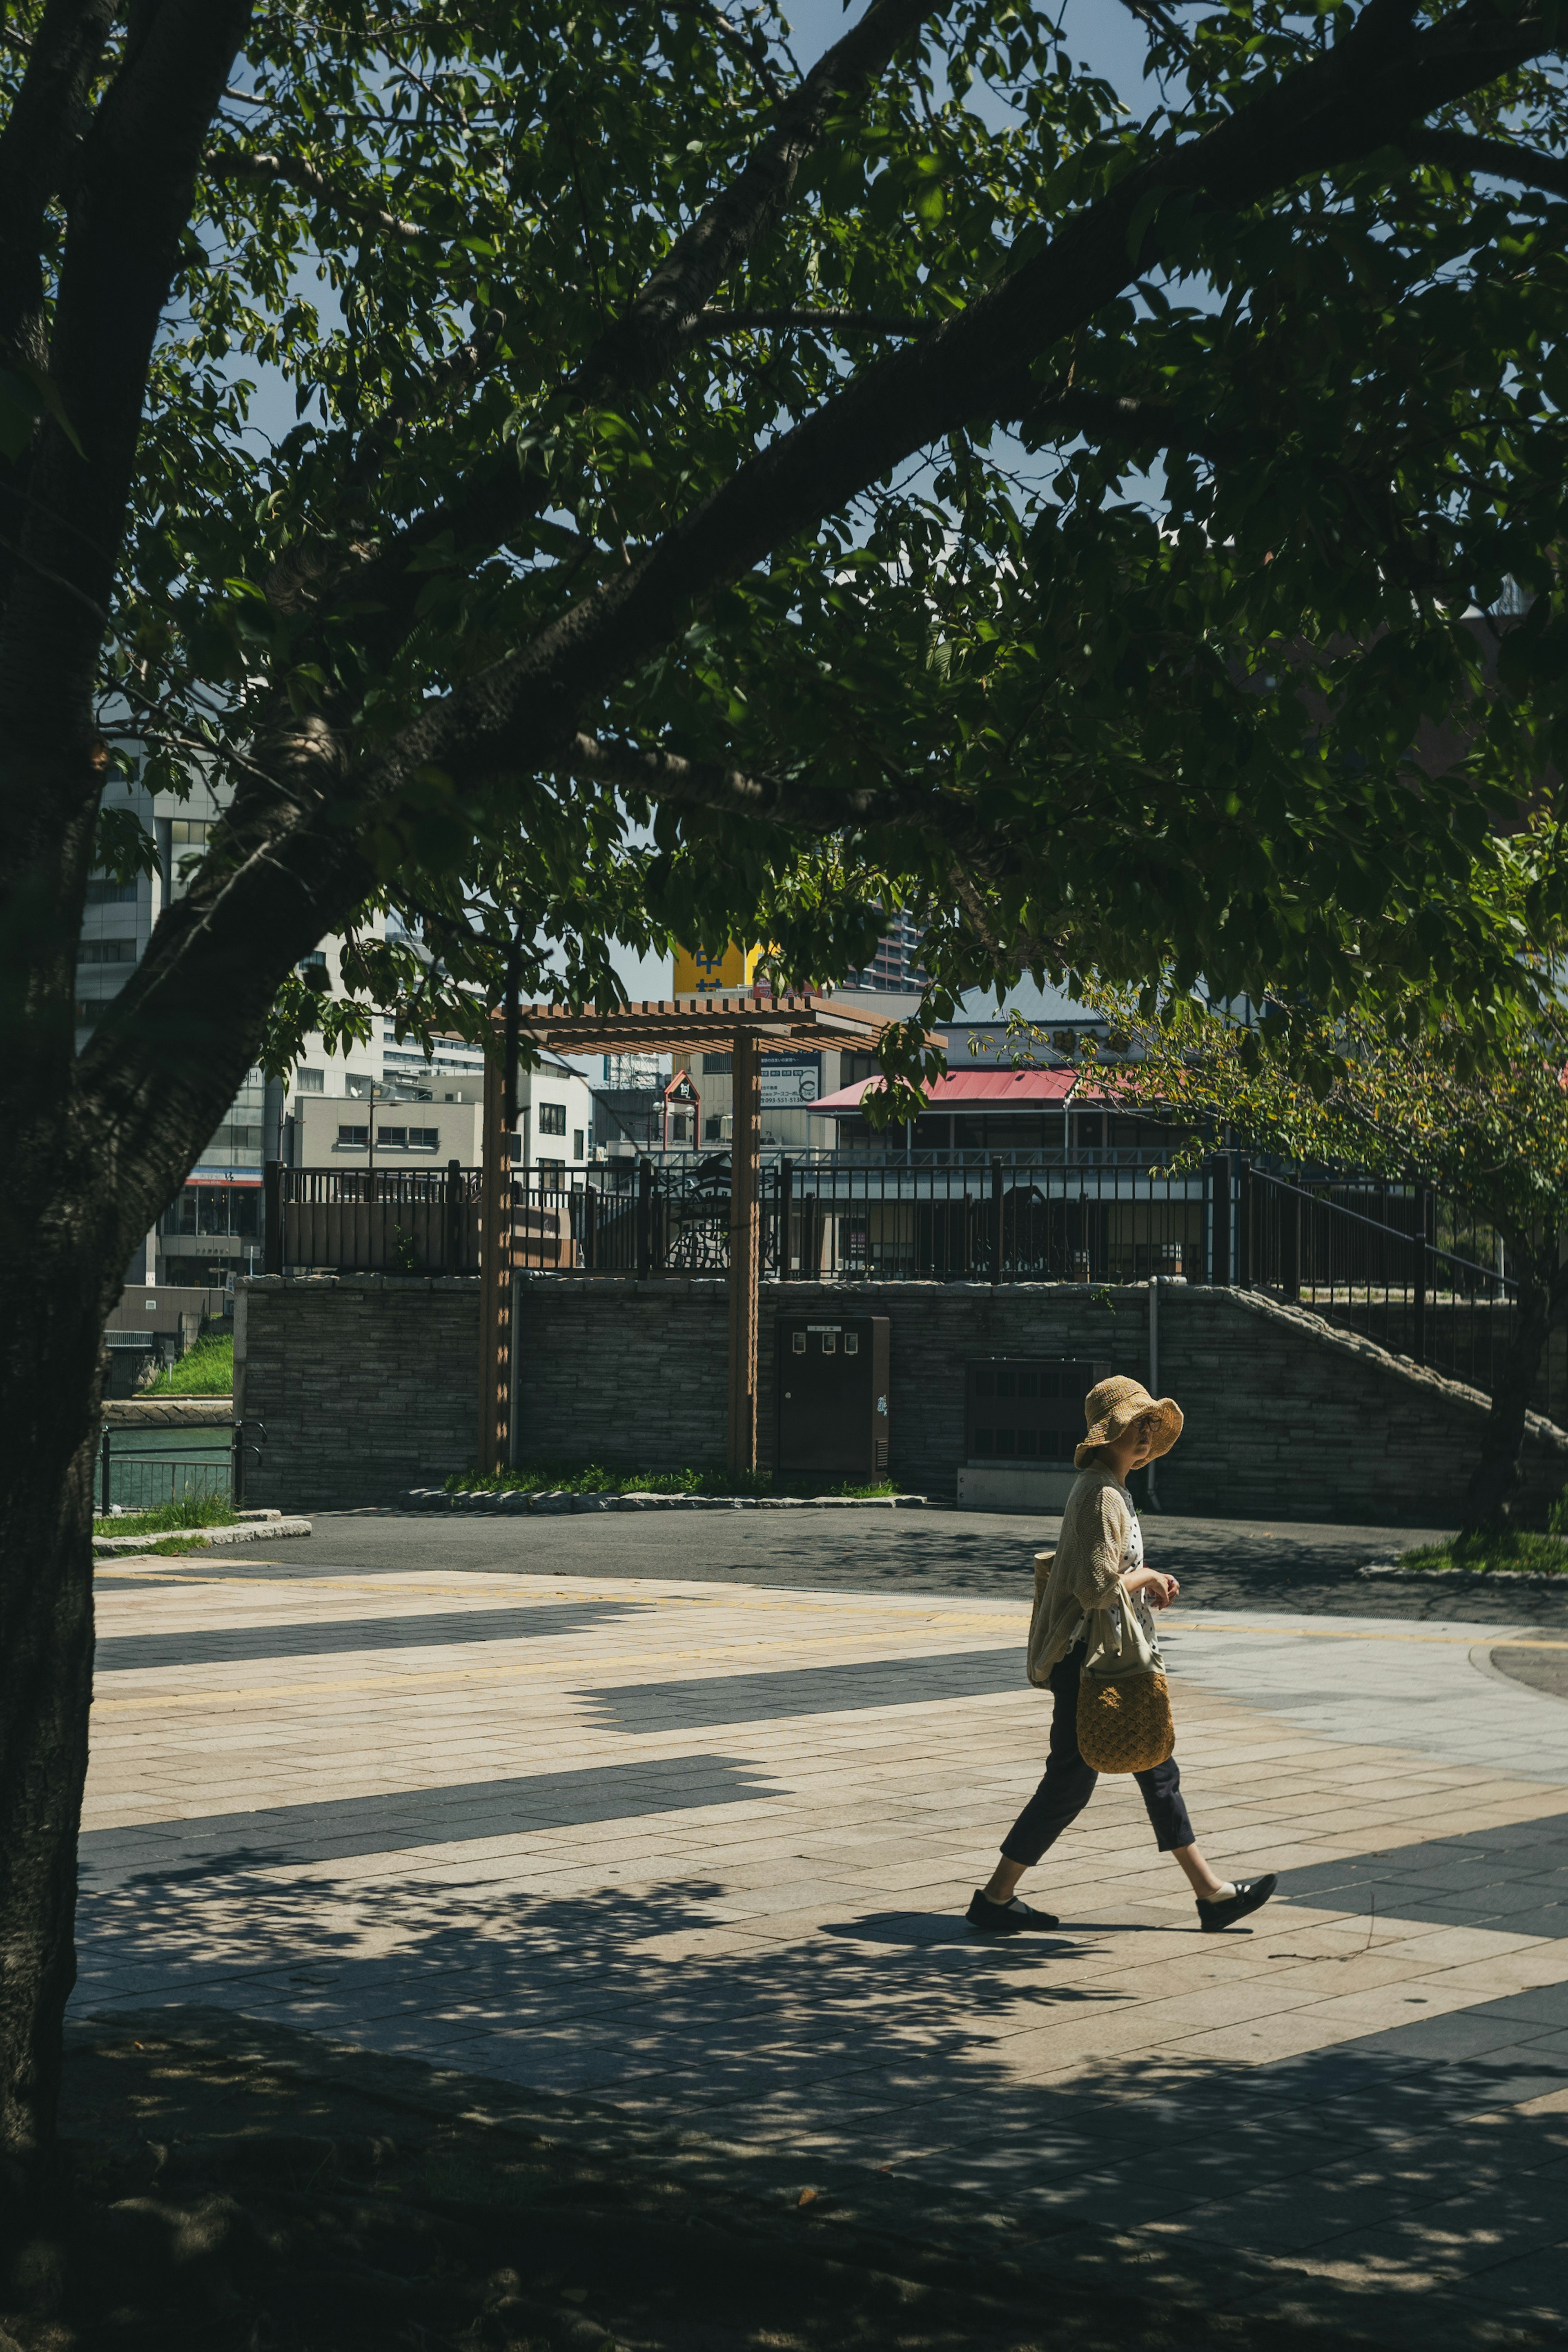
376,1089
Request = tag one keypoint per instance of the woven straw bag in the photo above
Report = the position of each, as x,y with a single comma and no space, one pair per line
1124,1722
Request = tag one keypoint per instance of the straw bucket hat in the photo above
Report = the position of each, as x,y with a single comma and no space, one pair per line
1111,1409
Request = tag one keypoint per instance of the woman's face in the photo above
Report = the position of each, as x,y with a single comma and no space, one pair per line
1145,1433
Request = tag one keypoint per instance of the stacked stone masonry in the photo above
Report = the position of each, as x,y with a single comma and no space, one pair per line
367,1386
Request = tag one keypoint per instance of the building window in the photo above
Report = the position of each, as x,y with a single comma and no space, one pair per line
106,951
312,969
353,1138
187,847
718,1066
712,1130
111,894
309,1082
551,1175
424,1139
214,1209
393,1139
576,1143
552,1118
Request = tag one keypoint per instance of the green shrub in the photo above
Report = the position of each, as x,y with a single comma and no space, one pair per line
1511,1547
187,1511
559,1476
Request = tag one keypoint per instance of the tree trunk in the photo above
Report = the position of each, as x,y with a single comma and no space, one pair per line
50,1388
1496,1479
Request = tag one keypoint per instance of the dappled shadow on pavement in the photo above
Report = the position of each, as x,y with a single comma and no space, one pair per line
1397,2185
1223,1563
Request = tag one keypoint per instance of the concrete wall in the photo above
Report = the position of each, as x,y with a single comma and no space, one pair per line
367,1386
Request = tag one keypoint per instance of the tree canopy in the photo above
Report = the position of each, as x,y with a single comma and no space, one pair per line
709,502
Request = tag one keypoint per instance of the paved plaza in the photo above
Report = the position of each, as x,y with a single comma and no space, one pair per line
695,1848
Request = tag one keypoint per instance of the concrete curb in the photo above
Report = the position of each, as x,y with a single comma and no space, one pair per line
1472,1580
247,1531
519,1505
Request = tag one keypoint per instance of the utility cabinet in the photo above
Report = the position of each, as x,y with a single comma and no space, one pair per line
833,1396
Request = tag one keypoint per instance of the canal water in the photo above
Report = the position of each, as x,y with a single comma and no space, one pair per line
162,1465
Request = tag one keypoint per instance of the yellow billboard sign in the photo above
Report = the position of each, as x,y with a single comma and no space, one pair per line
714,972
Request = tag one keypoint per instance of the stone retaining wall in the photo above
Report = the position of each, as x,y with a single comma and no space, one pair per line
367,1386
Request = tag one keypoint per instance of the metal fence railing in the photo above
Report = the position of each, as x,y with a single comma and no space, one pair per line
135,1475
1421,1275
838,1218
1408,1268
371,1221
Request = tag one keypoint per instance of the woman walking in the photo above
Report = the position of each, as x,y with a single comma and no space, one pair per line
1100,1558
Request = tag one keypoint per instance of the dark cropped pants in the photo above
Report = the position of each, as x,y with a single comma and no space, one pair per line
1069,1782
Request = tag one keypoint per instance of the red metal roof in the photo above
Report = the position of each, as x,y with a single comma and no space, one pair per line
998,1090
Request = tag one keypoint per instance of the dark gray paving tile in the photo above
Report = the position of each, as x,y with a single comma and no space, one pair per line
1545,2005
803,1690
229,1644
334,1829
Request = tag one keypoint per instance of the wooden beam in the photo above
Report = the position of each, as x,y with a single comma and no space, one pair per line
496,1252
745,1235
695,1024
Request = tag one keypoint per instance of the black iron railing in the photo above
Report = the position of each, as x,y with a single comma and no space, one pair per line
842,1219
371,1221
1403,1265
137,1471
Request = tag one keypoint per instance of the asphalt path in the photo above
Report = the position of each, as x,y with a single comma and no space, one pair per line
1307,1567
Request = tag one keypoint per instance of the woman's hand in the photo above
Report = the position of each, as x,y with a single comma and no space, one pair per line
1161,1590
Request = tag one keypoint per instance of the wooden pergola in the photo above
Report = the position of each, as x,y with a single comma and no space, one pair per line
746,1026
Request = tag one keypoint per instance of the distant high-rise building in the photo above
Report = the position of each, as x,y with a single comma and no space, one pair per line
897,963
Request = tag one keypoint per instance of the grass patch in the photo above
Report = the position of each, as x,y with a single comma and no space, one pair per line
205,1370
1510,1548
565,1478
188,1511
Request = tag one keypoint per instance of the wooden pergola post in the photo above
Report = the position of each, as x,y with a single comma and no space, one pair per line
745,1026
496,1254
745,1235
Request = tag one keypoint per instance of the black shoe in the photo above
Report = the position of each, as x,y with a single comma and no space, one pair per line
1005,1919
1251,1894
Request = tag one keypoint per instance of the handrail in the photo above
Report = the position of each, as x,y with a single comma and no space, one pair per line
1487,1273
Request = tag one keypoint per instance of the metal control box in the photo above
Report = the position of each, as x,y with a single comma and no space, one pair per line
832,1394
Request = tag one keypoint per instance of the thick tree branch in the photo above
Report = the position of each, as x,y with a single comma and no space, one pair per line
289,171
1348,102
1499,159
638,349
734,791
1111,416
960,828
37,147
716,321
132,189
